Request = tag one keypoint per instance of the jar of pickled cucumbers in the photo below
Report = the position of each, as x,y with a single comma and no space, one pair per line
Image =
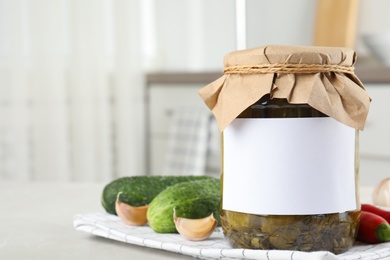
290,118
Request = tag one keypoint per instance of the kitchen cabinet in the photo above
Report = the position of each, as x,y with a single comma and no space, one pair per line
163,102
375,139
168,91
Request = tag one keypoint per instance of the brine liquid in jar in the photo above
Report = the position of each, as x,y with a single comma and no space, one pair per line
289,179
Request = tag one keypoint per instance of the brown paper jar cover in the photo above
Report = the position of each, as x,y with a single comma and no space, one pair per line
321,77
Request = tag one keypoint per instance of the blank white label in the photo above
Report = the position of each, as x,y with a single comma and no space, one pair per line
289,166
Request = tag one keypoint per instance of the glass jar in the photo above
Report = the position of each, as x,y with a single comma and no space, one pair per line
289,172
330,231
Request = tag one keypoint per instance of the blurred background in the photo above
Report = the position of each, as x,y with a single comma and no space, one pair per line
91,90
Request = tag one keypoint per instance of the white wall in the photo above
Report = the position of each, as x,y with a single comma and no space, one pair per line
373,18
281,22
196,34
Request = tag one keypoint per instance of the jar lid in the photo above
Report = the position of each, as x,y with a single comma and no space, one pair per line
322,77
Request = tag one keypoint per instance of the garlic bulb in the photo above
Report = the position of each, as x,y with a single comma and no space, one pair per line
135,216
381,195
195,229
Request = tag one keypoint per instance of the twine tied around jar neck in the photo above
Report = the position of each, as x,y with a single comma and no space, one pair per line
287,68
323,78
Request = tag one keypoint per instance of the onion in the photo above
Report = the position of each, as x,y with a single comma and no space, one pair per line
381,195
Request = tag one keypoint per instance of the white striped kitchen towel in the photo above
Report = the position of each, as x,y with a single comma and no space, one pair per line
215,247
188,142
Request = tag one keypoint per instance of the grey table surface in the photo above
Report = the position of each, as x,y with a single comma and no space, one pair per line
36,222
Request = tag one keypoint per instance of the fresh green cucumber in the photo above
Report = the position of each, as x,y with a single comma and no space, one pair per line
139,190
193,200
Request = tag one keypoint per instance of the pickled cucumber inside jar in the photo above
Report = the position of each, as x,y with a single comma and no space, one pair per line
333,232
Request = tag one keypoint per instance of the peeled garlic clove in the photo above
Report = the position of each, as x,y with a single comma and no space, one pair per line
135,216
381,195
195,229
